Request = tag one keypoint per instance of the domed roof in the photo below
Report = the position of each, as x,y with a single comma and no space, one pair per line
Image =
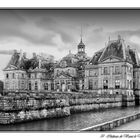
70,55
81,44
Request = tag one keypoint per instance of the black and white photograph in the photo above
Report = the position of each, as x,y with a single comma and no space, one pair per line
70,70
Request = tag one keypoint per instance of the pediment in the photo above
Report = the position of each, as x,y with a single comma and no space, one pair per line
111,59
62,76
11,67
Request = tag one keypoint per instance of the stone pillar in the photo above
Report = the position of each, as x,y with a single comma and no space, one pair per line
86,83
124,72
80,84
49,85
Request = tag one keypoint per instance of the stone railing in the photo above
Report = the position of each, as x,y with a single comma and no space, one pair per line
112,124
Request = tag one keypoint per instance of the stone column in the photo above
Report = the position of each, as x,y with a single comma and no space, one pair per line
49,85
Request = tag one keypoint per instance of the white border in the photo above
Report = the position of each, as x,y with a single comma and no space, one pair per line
69,3
64,4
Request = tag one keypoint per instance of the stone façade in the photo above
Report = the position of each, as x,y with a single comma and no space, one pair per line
113,70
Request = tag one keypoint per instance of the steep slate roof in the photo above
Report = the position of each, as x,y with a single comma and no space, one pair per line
23,63
96,57
116,49
14,61
134,57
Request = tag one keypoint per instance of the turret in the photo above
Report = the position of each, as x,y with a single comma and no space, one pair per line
81,45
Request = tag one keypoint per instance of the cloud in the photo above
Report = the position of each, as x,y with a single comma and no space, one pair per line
59,27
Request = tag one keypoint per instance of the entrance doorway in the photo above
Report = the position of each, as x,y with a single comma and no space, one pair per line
137,100
63,87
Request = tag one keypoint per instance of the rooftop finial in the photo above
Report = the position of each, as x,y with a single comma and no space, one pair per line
81,33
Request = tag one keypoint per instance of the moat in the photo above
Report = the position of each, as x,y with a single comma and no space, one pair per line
74,122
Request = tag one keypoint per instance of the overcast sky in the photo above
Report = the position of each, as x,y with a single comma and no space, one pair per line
56,32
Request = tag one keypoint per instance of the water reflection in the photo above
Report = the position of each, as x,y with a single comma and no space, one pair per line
73,122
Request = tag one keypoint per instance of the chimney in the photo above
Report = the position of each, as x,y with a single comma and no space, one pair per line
24,54
14,51
119,37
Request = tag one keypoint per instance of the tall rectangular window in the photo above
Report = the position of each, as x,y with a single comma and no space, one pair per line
45,86
36,86
29,75
117,69
105,70
95,84
131,84
105,84
13,76
90,84
7,76
35,75
30,86
117,84
128,84
52,86
22,85
7,85
22,75
91,73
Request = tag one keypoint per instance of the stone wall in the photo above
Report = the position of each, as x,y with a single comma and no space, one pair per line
94,103
26,107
